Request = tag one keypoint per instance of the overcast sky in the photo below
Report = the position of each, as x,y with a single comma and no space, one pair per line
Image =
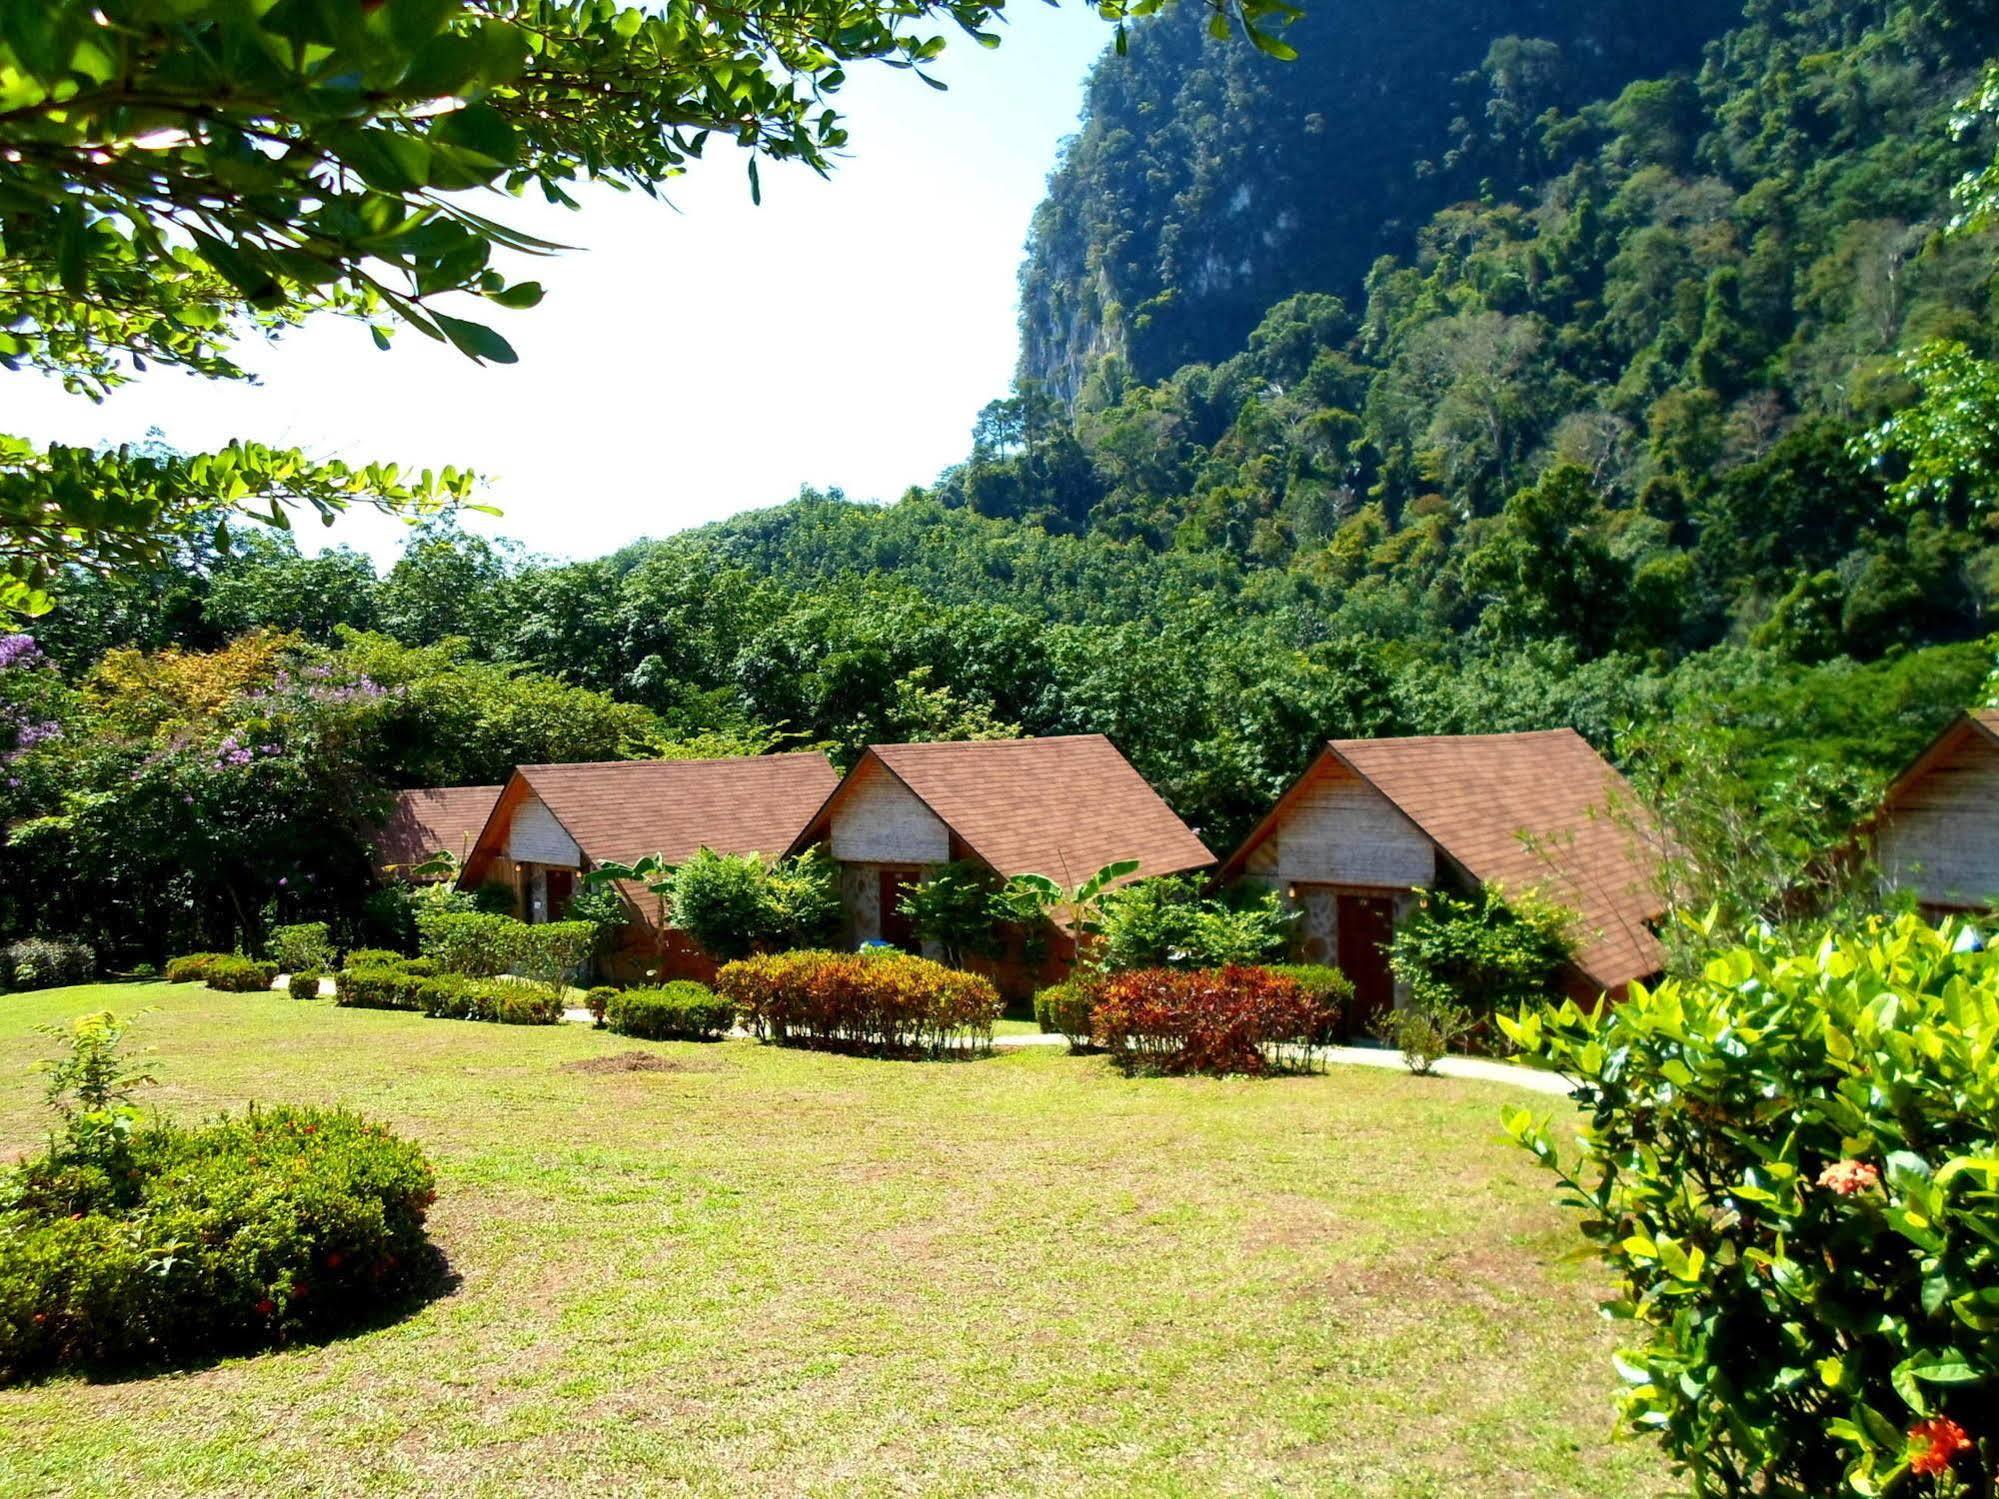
695,360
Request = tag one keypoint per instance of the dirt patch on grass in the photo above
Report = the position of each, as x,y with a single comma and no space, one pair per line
637,1061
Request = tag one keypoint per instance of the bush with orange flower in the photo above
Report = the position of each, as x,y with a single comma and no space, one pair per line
886,1001
1213,1020
1792,1165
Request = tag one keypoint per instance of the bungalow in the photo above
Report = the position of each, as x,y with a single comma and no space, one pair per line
1937,833
1061,807
551,824
1371,821
431,821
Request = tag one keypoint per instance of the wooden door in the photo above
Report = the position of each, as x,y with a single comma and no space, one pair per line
561,886
1366,923
897,928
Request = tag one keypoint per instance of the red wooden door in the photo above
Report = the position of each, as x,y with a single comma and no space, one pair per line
896,927
561,886
1366,923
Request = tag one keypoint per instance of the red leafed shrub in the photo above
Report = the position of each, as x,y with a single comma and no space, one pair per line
1213,1020
889,1002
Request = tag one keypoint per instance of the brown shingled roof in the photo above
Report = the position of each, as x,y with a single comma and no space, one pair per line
1063,807
1528,811
436,819
622,810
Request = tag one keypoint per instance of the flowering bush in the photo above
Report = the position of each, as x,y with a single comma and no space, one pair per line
1792,1164
239,1234
1219,1020
45,963
240,975
682,1011
886,1001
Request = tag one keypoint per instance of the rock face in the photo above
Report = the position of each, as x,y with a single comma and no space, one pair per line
1208,181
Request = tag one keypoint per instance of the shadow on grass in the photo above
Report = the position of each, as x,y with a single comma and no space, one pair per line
431,1281
875,1051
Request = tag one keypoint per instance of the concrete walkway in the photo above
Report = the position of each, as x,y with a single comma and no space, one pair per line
1480,1069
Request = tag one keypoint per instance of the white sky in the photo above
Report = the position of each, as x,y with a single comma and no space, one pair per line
695,360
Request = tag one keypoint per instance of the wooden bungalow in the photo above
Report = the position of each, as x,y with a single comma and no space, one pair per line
1061,807
552,824
428,822
1937,833
1372,821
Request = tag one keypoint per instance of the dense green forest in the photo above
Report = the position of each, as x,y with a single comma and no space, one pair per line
1535,395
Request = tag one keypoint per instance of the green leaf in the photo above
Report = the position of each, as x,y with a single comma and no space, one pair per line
475,339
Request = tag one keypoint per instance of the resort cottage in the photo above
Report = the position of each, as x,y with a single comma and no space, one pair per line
432,821
1371,821
1061,807
552,824
1937,833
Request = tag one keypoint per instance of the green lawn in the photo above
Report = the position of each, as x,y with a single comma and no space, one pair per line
758,1270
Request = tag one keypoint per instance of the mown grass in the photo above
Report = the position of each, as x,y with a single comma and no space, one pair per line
774,1271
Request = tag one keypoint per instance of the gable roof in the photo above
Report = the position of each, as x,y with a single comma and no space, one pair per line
1522,811
1980,724
619,811
434,819
1064,806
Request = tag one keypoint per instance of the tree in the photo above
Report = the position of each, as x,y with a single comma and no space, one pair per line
173,175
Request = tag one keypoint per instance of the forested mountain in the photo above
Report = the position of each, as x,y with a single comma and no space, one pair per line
1548,404
1208,180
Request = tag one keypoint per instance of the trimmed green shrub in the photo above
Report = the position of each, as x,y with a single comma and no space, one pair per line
1169,921
422,968
1328,988
304,984
1490,953
1424,1033
555,953
1218,1020
372,957
46,963
680,1011
1791,1163
734,904
598,1001
471,943
306,944
192,968
882,1001
239,1234
241,975
379,988
500,1000
1066,1008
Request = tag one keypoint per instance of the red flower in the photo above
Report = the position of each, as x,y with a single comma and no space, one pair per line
265,1307
1848,1178
1933,1443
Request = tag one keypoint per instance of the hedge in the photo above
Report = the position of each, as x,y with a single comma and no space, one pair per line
1066,1008
503,1001
1330,989
304,985
680,1011
229,1236
46,963
1791,1163
378,988
372,957
240,975
882,1001
1213,1020
192,968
